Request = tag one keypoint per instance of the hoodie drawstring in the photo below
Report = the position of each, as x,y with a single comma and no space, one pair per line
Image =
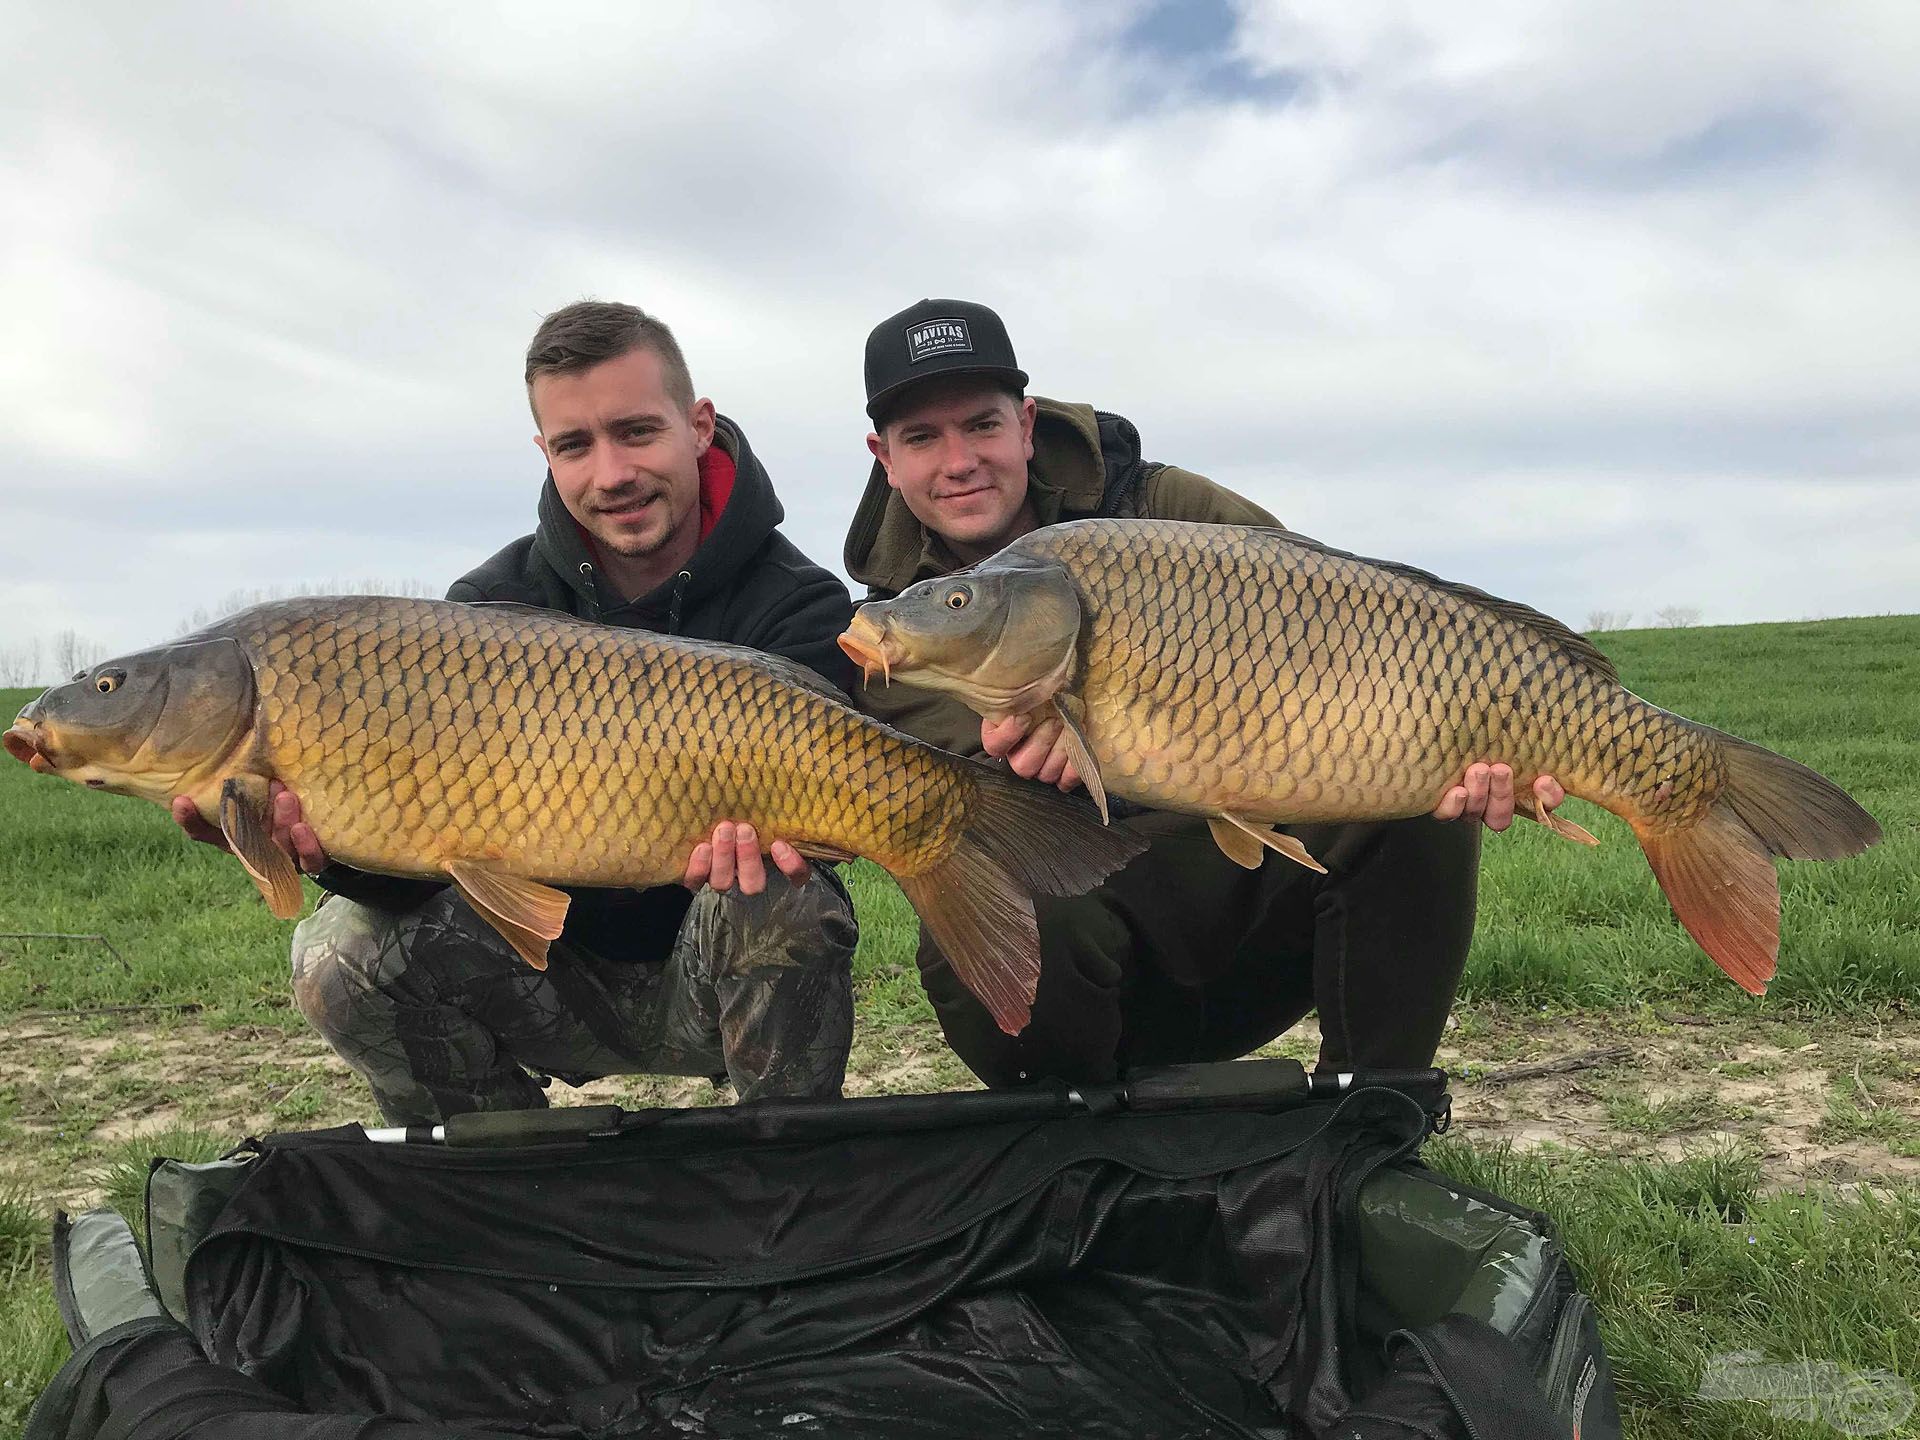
593,588
680,583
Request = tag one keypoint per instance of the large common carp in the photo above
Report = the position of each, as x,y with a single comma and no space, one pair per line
512,750
1256,677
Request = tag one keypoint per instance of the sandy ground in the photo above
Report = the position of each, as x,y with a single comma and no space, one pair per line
1816,1104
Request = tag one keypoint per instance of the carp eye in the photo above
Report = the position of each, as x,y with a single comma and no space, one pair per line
108,681
957,599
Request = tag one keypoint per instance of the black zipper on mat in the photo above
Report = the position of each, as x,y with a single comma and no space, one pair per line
1565,1348
1446,1385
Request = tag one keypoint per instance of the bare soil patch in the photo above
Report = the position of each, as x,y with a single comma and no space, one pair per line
1814,1102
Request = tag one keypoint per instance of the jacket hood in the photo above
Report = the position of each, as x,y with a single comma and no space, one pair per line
888,549
752,512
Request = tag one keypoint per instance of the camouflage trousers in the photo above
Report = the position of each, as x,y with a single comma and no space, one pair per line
439,1015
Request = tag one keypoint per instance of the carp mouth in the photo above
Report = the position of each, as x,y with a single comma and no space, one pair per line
871,648
23,742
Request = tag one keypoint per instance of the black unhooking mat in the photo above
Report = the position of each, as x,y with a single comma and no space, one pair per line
1180,1258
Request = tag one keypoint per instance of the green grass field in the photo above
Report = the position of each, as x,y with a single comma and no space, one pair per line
1687,1257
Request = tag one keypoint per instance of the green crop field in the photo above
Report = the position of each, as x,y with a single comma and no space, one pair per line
1730,1173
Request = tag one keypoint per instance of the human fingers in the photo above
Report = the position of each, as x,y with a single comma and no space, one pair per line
791,862
725,838
699,866
999,735
187,816
1499,812
750,867
1548,791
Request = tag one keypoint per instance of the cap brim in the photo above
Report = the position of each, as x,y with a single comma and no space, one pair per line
878,404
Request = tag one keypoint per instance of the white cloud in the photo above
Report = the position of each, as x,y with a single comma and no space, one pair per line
1596,305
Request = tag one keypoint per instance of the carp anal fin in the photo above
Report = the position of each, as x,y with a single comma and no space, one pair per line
527,914
1081,758
1530,806
830,854
1241,841
246,819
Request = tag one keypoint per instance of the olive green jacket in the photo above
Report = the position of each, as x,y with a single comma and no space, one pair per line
1085,463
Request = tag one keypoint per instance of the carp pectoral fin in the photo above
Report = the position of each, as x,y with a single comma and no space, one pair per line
1530,806
1241,841
828,854
528,914
246,819
1082,759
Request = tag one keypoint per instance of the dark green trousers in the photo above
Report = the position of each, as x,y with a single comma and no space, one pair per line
1184,956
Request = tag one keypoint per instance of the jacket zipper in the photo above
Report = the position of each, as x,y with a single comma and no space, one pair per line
593,588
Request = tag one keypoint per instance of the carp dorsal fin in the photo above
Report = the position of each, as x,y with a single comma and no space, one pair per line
1241,841
1081,755
792,672
797,675
520,607
528,915
1557,632
246,819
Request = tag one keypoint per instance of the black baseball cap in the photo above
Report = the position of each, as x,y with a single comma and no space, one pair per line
936,337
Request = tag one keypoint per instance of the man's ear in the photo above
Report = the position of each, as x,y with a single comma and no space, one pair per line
540,444
1026,423
701,418
877,447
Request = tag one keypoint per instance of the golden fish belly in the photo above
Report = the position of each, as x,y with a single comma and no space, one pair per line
569,754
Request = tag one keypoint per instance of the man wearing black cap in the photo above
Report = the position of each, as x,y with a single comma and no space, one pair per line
1183,955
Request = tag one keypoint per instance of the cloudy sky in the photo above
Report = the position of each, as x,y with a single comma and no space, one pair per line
1602,306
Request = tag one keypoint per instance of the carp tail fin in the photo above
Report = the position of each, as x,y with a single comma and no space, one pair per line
1718,874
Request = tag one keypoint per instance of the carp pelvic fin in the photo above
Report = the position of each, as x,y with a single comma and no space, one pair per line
1241,841
528,915
1081,757
246,819
1529,805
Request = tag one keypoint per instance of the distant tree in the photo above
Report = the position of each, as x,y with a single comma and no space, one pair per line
237,600
73,652
1608,620
1678,617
